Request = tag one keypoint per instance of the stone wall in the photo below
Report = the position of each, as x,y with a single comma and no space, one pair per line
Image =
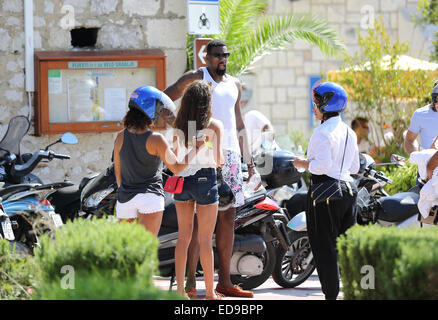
282,85
127,24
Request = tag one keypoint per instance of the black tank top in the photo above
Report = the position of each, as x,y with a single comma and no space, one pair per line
141,171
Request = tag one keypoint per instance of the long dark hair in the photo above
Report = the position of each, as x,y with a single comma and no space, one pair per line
195,106
136,119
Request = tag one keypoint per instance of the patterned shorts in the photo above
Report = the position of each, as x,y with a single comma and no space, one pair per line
232,175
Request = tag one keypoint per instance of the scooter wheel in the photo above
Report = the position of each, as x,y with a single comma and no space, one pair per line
292,267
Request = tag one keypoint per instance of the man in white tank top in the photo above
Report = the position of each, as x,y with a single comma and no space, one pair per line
226,107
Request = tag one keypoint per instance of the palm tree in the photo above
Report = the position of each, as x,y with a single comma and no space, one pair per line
250,34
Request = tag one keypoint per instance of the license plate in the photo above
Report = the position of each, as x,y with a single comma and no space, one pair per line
7,229
56,219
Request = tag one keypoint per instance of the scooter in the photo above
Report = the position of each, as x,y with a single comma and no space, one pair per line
25,204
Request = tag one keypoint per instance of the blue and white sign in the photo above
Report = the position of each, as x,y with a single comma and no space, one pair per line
203,17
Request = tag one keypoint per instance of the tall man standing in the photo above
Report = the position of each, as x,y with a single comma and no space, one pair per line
226,107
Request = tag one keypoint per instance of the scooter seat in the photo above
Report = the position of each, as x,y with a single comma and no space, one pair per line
398,207
256,198
64,196
13,189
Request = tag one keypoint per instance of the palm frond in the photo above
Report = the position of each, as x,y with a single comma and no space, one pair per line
238,18
274,33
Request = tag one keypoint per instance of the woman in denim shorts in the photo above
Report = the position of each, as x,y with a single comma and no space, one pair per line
200,189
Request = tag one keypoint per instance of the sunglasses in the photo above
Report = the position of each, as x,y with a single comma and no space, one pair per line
221,55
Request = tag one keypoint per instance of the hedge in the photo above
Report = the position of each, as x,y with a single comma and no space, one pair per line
120,249
17,273
404,262
102,286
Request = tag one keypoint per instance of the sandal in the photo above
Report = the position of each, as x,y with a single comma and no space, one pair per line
191,293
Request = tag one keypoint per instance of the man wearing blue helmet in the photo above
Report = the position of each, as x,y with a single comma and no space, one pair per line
332,155
139,153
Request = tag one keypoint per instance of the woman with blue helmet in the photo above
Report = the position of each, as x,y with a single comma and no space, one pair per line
139,153
332,155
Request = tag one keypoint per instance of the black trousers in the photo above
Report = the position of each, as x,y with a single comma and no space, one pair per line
324,225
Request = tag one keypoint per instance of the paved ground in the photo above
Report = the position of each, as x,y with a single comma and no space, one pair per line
309,290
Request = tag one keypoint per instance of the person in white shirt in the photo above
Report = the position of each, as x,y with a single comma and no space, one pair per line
424,123
362,130
332,155
259,129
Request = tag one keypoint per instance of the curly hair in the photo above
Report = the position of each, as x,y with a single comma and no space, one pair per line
135,118
195,106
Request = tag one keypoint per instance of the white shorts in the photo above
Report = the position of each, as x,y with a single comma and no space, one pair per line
142,203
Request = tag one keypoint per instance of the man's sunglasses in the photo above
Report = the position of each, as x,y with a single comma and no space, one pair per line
221,55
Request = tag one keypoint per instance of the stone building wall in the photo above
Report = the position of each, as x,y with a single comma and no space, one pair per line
282,78
123,24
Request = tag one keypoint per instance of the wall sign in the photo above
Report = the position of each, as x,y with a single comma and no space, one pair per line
203,17
88,91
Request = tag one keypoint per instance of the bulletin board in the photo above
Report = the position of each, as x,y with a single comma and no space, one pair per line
88,91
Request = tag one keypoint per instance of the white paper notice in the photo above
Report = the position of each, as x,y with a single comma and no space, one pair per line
115,103
55,83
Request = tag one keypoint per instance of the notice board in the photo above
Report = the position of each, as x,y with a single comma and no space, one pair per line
88,91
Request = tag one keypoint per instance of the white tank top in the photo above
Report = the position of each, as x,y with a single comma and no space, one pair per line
224,98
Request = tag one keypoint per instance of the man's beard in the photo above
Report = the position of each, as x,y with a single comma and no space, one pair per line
221,72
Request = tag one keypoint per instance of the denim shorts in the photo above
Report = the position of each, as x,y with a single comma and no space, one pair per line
200,187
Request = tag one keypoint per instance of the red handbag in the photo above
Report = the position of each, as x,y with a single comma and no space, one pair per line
174,184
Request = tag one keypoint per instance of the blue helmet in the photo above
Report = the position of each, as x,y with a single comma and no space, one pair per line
330,97
151,101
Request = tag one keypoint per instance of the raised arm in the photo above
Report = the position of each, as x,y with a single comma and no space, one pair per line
176,90
158,146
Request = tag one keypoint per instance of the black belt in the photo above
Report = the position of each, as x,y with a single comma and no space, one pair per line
315,178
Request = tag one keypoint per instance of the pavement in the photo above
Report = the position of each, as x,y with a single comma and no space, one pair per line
308,290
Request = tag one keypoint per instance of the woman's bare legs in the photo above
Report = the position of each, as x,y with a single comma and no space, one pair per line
206,216
151,221
185,212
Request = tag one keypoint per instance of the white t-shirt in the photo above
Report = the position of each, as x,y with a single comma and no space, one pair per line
424,121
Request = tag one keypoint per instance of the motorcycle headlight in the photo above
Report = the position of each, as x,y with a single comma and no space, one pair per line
93,200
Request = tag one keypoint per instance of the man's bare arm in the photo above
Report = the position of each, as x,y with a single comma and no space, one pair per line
240,125
431,165
409,142
176,90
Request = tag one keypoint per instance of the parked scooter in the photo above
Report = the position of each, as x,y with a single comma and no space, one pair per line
24,204
375,206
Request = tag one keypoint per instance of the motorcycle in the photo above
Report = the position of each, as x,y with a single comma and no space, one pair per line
375,206
29,212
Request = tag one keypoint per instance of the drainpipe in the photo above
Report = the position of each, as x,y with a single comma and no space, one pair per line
29,51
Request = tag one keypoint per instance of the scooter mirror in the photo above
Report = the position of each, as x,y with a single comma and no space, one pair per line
69,138
397,159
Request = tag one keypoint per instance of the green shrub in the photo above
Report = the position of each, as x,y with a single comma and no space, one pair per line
122,249
404,261
403,177
102,286
17,274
